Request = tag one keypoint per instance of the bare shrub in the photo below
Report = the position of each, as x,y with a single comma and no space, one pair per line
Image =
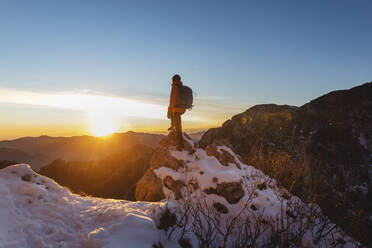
297,224
280,166
167,219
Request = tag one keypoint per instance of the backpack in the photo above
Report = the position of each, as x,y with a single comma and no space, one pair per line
185,97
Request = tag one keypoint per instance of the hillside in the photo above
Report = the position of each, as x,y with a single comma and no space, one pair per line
43,150
113,177
222,202
325,146
6,163
209,199
13,154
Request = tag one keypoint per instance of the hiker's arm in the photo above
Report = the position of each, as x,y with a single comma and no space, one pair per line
172,102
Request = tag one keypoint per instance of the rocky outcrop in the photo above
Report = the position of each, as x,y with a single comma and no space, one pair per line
171,141
162,157
174,185
325,146
222,155
149,188
209,188
232,191
220,208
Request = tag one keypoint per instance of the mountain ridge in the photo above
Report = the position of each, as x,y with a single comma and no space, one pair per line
328,141
45,149
115,176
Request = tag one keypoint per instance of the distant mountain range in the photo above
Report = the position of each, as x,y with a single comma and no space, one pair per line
6,163
40,151
112,177
196,136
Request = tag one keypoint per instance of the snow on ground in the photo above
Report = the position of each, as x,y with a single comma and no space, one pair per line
264,198
37,212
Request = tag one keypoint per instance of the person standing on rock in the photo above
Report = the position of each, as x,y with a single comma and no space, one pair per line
181,98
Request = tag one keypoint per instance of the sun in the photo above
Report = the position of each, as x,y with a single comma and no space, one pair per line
103,127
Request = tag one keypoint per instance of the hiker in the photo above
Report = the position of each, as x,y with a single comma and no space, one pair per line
180,99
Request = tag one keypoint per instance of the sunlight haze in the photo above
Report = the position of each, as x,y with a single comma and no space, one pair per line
97,67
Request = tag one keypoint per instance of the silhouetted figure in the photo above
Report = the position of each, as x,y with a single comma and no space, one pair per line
176,109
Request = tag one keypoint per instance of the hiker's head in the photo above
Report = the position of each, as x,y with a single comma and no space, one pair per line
176,78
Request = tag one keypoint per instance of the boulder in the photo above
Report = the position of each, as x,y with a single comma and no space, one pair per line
174,185
220,207
171,141
232,191
223,156
163,158
149,188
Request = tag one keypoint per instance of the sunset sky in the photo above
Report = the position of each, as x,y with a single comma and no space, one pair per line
86,67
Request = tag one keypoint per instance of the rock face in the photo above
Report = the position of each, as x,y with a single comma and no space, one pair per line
174,185
171,140
149,187
220,207
327,141
113,177
223,156
232,191
212,186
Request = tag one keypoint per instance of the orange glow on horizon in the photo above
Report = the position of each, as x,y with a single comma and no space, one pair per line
104,127
74,114
14,132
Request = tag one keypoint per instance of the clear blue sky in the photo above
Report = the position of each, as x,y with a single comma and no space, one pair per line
237,52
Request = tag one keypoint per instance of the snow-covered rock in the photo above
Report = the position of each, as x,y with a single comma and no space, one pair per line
36,212
216,177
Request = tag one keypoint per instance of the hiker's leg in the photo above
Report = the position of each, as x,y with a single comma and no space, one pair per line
173,121
178,126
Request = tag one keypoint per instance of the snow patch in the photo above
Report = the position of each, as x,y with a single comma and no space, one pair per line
37,212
